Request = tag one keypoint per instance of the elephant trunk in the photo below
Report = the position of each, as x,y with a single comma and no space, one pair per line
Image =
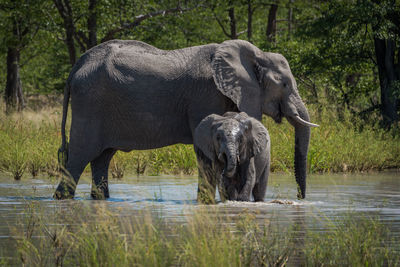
299,118
228,156
302,139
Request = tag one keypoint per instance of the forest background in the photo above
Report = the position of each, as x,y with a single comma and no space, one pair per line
345,56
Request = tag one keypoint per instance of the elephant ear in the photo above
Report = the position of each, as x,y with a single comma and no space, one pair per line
260,136
233,66
203,136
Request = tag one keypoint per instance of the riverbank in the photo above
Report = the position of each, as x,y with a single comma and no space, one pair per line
29,142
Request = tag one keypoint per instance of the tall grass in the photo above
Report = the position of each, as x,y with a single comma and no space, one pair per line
354,241
94,236
346,145
29,142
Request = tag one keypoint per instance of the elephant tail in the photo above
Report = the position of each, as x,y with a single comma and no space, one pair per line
63,150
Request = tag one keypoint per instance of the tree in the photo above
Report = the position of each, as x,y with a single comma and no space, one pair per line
118,14
357,39
21,21
271,26
220,10
386,35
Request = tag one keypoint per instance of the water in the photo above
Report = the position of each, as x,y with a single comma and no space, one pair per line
328,196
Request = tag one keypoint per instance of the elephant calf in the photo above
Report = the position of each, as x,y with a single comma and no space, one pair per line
233,152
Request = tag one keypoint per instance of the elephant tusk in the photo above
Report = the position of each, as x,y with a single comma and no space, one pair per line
303,122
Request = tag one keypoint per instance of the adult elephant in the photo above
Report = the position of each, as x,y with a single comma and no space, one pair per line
128,95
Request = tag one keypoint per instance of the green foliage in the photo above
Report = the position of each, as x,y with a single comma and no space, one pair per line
29,144
330,50
78,235
348,145
330,46
354,242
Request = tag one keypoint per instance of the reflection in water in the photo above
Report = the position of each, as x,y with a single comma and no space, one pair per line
329,197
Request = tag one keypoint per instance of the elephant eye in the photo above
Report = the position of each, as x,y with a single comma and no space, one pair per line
285,85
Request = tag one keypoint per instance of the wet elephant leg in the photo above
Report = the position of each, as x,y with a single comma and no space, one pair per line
100,174
260,188
82,149
71,175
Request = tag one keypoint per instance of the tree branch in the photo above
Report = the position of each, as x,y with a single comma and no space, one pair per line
221,25
138,19
80,39
61,9
240,33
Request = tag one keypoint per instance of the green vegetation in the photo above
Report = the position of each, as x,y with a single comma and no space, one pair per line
336,146
354,242
29,143
94,236
345,56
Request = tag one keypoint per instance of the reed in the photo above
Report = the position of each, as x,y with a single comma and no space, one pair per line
95,236
29,142
355,241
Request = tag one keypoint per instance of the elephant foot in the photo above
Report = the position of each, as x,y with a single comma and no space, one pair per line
64,191
100,188
100,193
243,199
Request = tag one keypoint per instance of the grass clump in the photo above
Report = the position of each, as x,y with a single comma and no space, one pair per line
29,142
355,241
348,145
94,236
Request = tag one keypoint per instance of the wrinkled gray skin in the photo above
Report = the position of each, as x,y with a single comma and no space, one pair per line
129,95
233,152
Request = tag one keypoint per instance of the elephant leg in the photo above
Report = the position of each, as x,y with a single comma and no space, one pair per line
99,168
207,185
82,149
260,188
71,175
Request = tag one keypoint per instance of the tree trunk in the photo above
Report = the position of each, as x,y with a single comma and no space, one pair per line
92,24
232,22
385,52
13,95
69,41
249,20
65,11
290,18
271,27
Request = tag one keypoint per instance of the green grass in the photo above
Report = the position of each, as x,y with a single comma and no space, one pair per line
336,146
29,142
94,236
354,241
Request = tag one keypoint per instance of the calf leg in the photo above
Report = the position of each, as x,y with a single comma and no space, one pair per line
260,188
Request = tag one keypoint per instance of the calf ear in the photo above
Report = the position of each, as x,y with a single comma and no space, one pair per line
203,136
258,136
248,133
